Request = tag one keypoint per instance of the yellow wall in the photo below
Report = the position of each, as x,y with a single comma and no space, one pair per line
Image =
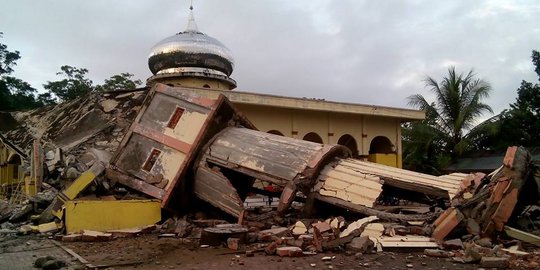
10,174
111,215
329,126
295,117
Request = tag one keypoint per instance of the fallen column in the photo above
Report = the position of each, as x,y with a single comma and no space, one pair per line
182,144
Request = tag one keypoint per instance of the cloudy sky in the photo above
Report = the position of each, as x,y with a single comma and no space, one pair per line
370,52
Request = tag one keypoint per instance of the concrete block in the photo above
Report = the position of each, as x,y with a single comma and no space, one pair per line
49,227
361,244
453,244
289,252
72,237
446,223
233,243
266,235
299,228
438,253
94,236
494,262
322,226
357,225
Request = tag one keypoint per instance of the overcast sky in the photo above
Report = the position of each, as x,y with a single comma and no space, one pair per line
370,52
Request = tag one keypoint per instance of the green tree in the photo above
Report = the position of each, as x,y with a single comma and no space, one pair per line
519,125
121,81
8,59
74,85
15,94
449,127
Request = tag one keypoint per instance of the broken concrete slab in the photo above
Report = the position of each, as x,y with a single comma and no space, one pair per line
438,253
215,236
343,180
95,236
357,225
322,226
361,244
299,228
49,227
453,244
373,230
70,193
266,235
408,241
522,236
72,237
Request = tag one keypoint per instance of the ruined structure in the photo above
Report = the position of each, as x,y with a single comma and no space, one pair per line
195,60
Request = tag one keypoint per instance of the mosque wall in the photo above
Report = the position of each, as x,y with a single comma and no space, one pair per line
331,127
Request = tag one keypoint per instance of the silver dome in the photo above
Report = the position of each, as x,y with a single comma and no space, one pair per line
190,48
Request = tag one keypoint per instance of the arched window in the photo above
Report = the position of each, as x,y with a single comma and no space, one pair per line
206,86
275,132
380,145
313,137
15,159
349,142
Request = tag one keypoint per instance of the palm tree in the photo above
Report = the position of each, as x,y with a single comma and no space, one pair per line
450,120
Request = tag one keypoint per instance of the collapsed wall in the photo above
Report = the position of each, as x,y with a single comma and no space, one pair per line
181,145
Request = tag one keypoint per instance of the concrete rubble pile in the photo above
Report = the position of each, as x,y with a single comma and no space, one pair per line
205,166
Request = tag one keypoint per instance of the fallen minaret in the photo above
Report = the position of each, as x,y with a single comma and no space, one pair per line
182,144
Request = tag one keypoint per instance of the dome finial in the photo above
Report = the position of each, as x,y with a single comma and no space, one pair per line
192,25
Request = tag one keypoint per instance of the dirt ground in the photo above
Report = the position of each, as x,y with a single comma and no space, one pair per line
151,252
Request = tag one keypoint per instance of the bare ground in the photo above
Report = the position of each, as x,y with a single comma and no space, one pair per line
149,252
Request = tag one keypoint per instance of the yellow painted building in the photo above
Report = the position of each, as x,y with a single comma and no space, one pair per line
195,60
11,169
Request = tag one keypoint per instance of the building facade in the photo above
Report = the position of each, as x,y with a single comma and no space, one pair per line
195,60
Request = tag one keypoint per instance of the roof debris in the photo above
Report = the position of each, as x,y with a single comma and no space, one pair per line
197,157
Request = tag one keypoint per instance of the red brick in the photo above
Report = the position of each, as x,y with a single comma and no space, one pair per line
452,218
289,252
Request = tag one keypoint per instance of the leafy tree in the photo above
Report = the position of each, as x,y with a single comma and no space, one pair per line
74,85
519,125
121,81
15,94
46,99
449,127
8,59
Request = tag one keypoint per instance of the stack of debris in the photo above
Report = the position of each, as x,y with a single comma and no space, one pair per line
183,149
